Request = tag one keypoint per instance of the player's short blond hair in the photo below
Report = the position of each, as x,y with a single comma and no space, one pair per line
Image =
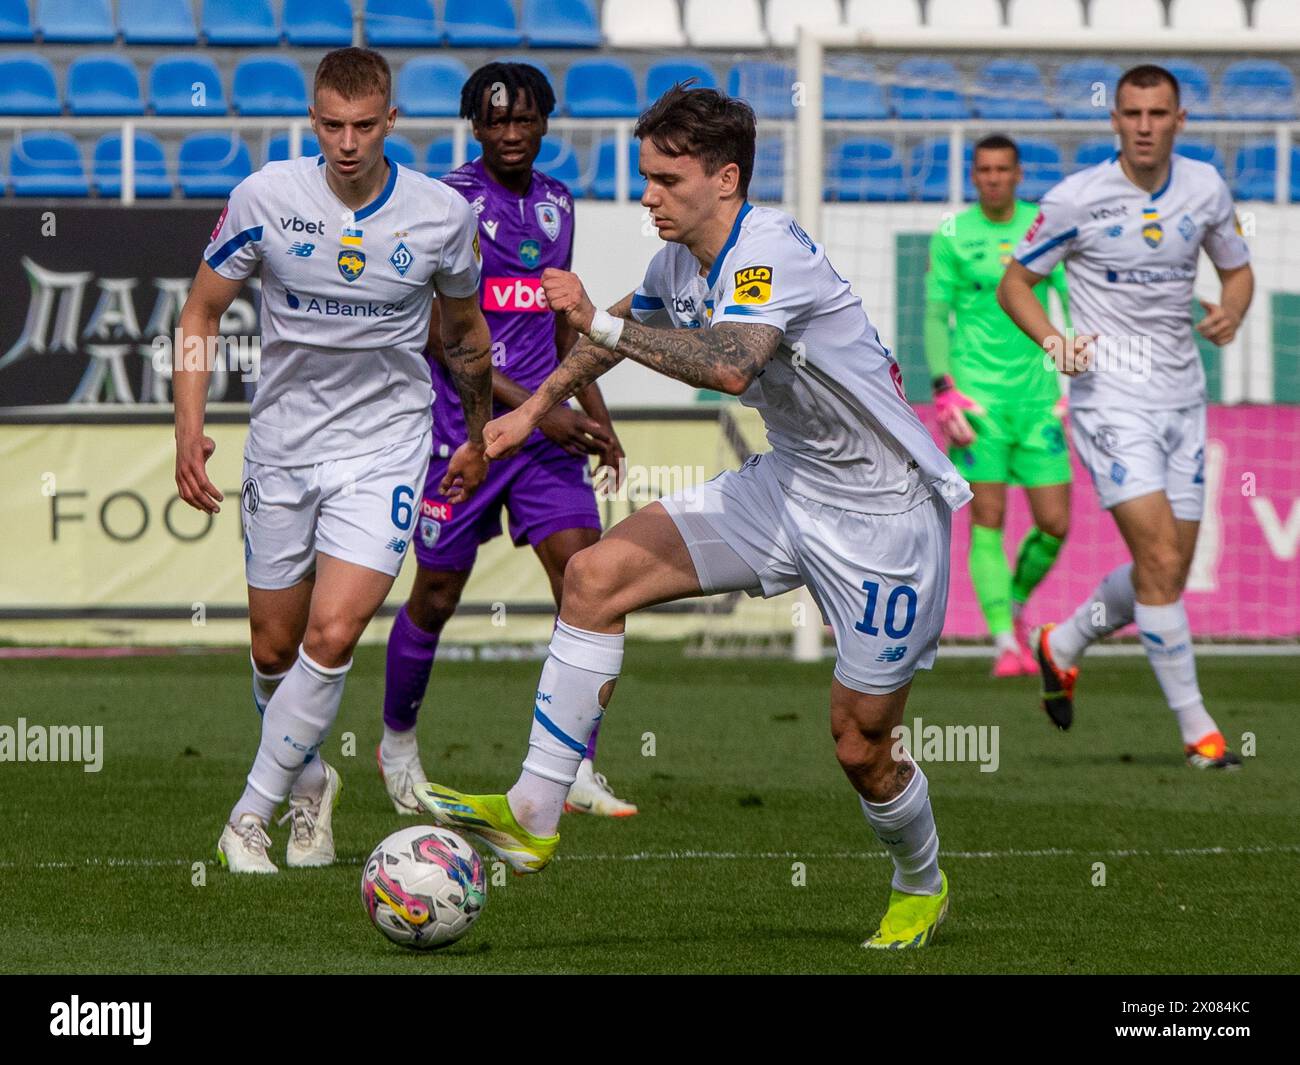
354,73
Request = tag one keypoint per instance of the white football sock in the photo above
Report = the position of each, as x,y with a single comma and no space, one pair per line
1110,607
1167,639
311,781
905,825
296,721
566,709
398,746
1004,641
264,685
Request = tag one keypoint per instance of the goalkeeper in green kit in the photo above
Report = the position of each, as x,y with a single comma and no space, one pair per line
997,397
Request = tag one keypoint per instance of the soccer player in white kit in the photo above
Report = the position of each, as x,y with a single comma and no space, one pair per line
351,248
854,500
1130,231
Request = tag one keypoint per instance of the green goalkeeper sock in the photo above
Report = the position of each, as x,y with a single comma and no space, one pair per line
1037,552
991,576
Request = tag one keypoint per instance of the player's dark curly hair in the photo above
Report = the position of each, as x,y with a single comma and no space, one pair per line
500,84
705,124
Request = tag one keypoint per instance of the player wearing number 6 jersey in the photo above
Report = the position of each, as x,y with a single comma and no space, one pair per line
1130,232
351,249
854,500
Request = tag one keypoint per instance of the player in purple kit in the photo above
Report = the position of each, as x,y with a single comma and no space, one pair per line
525,222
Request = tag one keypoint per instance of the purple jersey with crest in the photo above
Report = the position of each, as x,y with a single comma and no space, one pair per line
519,237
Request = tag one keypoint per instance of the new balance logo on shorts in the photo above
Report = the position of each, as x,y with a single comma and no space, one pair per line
892,654
396,544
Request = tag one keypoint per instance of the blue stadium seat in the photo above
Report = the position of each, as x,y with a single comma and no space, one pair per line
75,22
557,159
240,22
865,171
172,91
1204,151
561,24
1043,166
27,86
853,92
430,86
928,170
1090,153
927,88
151,180
277,148
157,22
15,21
1257,89
103,85
766,87
1075,90
480,23
46,164
1010,90
211,164
1255,170
1193,87
326,23
768,181
604,184
400,150
662,76
268,87
600,88
402,24
438,157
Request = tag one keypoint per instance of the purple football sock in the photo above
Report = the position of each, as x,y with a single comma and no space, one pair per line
410,658
591,742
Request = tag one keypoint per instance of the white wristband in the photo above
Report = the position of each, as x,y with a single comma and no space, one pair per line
605,329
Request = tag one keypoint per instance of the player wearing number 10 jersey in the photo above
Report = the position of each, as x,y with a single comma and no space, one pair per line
853,501
350,249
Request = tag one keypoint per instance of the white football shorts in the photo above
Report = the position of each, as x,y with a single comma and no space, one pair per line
361,509
880,580
1132,453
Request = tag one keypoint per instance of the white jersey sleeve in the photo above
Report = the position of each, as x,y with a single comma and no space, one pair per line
235,247
1223,241
649,300
1051,235
768,281
457,274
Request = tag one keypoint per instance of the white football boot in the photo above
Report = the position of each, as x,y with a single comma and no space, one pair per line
242,847
400,778
591,794
311,825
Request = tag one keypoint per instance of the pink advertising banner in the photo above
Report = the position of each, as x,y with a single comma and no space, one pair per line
1245,579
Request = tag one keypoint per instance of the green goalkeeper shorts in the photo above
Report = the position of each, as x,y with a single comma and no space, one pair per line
1021,445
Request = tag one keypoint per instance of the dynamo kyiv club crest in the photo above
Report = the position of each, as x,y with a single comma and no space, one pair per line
352,261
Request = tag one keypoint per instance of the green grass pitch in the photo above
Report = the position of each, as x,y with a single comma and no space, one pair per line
97,875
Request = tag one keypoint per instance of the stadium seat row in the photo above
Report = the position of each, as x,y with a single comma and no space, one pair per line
314,23
429,86
858,169
574,23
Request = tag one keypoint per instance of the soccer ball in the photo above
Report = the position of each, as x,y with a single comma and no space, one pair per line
423,887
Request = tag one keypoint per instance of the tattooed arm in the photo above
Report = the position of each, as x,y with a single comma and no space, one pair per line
466,352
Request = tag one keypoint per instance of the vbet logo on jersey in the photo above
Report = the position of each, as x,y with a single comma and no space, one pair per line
514,294
754,284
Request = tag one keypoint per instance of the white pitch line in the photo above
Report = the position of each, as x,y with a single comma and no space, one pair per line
731,856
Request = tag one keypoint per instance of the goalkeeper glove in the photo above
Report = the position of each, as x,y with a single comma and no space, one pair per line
950,405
